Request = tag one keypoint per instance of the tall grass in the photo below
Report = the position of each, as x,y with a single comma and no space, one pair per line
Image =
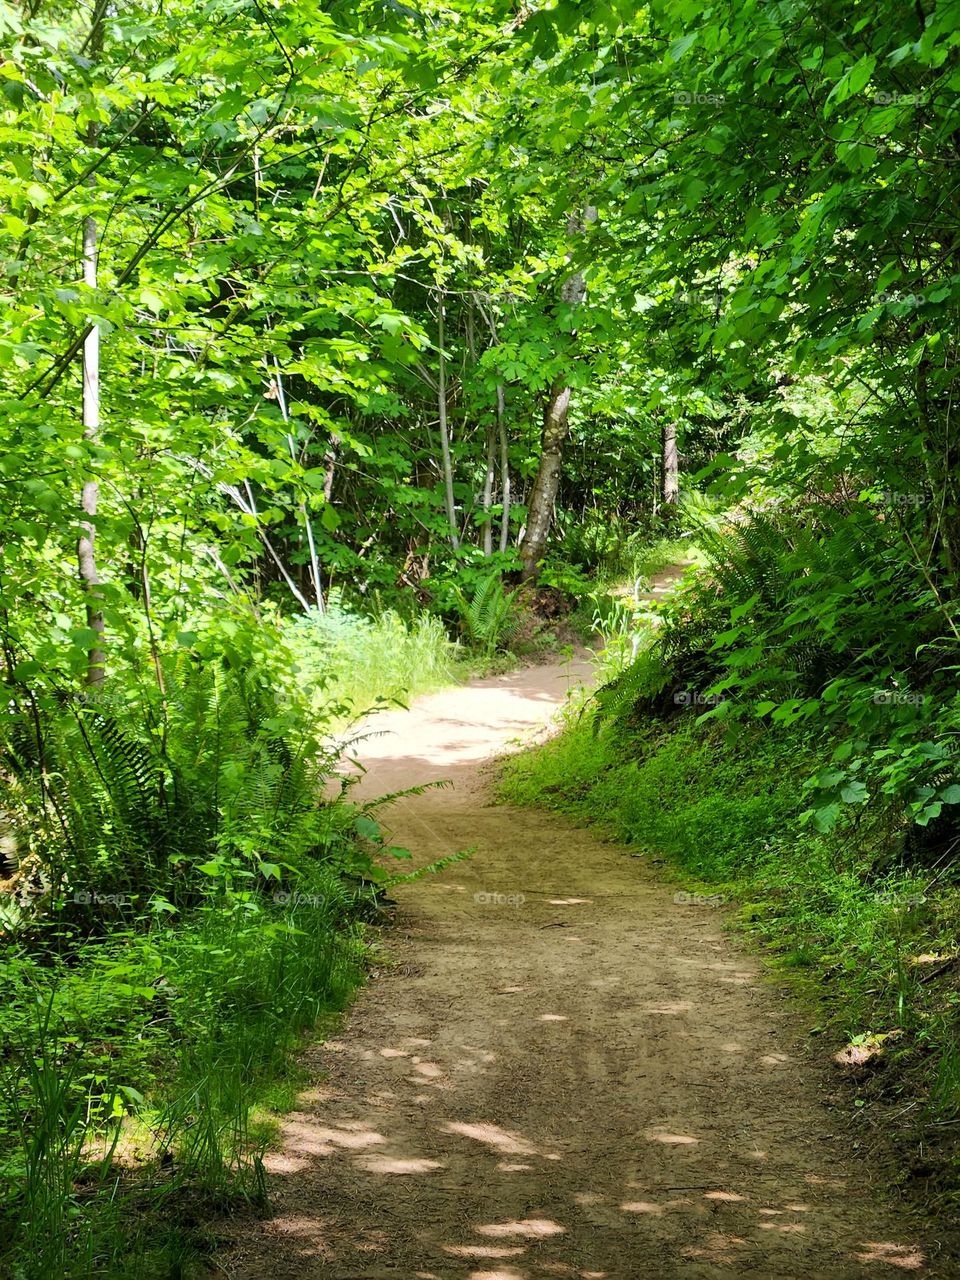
163,1063
247,989
44,1095
349,663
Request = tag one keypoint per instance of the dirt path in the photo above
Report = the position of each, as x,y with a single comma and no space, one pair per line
564,1071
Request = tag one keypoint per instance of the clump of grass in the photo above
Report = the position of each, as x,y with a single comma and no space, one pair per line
353,663
171,1046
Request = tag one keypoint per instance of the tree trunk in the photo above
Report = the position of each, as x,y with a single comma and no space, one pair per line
330,462
487,500
315,578
670,473
940,465
504,446
86,542
556,428
504,469
447,462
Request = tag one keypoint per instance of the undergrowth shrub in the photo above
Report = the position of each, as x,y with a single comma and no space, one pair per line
817,619
604,549
188,881
488,616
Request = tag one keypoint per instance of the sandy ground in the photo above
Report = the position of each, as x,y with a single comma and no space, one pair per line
562,1069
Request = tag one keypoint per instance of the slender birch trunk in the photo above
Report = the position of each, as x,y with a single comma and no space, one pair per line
447,462
487,498
315,578
90,494
504,469
670,472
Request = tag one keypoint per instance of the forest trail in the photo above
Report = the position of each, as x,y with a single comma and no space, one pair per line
564,1068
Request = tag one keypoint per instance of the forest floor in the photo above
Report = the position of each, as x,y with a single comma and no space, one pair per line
562,1067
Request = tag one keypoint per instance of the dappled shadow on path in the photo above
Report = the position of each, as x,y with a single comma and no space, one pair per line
499,1109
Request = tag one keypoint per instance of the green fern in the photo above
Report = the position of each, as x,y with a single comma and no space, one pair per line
488,617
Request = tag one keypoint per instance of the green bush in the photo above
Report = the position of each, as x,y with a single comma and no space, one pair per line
603,548
189,898
349,663
488,616
816,618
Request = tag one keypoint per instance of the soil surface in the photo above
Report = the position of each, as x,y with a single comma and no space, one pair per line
564,1067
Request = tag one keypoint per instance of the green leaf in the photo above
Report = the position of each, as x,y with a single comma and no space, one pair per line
854,792
825,818
680,46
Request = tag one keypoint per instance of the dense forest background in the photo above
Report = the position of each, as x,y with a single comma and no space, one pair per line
331,277
341,338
